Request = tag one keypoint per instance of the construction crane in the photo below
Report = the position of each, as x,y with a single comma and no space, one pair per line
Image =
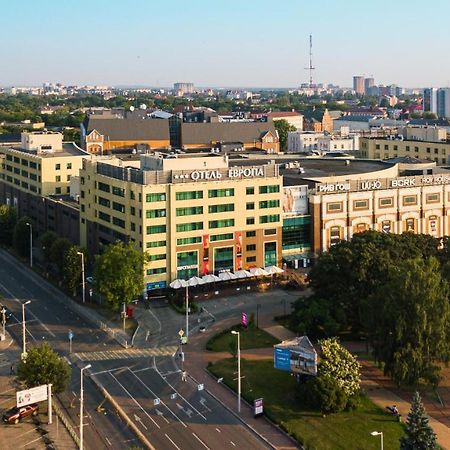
311,67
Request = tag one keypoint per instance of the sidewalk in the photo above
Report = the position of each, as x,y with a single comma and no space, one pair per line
196,361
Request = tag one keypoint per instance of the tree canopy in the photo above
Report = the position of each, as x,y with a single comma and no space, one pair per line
44,366
21,236
8,219
283,127
389,288
118,273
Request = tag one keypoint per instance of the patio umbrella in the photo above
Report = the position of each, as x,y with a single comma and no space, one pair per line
258,272
272,270
195,281
210,278
177,284
226,276
243,274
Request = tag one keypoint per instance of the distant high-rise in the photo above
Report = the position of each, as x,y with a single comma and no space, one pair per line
369,83
185,88
430,100
443,102
358,85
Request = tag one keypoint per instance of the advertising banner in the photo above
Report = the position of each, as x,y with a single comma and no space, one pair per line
238,236
205,245
33,395
258,407
282,359
295,200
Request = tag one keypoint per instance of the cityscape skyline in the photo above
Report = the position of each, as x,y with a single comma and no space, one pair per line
141,51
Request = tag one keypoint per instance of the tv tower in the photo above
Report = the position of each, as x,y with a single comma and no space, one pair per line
311,67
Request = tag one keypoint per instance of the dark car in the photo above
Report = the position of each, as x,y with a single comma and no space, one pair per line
15,415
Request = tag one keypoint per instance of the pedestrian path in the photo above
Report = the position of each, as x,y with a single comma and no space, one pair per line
169,350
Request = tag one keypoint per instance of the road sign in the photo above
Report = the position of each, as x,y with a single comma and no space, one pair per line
33,395
200,387
156,401
181,333
244,320
183,340
70,334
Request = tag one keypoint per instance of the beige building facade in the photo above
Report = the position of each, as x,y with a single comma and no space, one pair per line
189,220
374,148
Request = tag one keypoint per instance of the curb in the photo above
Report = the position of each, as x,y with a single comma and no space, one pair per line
123,415
297,445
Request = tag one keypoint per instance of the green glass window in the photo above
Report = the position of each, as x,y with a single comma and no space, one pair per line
250,233
187,264
270,254
251,247
213,193
221,237
250,221
190,195
189,226
250,205
153,213
189,240
250,190
223,258
104,202
104,216
159,257
270,218
221,223
103,187
156,244
189,211
154,229
269,204
118,191
156,271
156,197
270,189
221,208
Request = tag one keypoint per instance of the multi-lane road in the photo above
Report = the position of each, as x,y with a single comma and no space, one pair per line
146,383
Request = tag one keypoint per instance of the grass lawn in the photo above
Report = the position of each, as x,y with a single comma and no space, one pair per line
250,338
346,431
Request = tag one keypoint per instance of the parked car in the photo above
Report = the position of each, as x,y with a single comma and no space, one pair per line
202,329
15,415
90,280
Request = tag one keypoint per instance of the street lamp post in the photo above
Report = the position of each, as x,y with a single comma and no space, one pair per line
378,433
258,305
31,243
3,311
24,342
83,283
239,367
187,312
81,404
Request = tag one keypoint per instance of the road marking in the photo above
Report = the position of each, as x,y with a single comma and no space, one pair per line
34,440
175,445
174,390
232,443
9,390
218,430
163,403
201,442
139,420
135,401
107,440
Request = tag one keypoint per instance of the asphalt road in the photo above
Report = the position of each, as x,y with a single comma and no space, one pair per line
48,320
184,418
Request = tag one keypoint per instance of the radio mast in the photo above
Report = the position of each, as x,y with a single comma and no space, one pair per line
311,67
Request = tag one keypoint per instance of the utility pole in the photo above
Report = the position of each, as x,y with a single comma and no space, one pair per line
82,275
24,340
124,314
81,404
3,311
187,312
239,367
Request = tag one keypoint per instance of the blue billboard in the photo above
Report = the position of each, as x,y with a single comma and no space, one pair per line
157,285
282,359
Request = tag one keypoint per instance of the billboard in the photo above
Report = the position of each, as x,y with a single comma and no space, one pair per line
295,200
296,356
33,395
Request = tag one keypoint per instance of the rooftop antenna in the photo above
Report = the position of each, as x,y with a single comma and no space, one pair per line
311,67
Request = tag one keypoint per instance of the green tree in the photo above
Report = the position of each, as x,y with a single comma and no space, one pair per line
407,319
118,273
8,219
58,251
44,366
324,393
419,434
72,268
21,236
46,241
283,127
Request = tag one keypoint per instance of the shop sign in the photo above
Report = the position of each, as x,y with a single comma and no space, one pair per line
234,172
191,266
335,187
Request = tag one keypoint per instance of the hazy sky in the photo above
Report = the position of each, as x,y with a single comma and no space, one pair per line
223,42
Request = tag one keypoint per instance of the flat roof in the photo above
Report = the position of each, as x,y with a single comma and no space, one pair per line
69,149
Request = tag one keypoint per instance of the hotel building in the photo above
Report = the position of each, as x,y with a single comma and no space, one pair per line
192,215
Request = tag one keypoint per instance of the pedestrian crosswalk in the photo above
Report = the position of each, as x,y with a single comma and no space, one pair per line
127,353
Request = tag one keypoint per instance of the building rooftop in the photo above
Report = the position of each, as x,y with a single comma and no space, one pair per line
68,149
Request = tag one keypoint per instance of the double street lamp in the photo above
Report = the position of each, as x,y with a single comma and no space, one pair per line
239,367
24,341
81,404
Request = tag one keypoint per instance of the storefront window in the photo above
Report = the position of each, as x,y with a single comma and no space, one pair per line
223,259
187,264
270,254
335,235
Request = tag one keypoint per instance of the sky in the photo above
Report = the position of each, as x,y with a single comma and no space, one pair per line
223,43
